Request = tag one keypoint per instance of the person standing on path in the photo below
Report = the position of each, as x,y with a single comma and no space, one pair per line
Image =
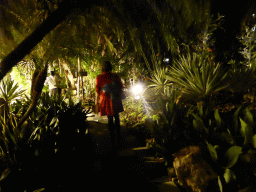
108,99
52,81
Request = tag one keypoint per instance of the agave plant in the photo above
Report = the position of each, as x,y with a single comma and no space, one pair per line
9,90
159,85
197,77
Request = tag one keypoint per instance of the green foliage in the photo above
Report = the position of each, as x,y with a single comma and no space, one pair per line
158,84
229,137
197,77
232,155
18,77
176,24
43,136
212,152
172,128
9,136
229,176
248,51
135,111
231,145
50,110
10,90
238,82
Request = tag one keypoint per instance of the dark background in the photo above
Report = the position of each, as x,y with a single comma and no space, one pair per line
236,15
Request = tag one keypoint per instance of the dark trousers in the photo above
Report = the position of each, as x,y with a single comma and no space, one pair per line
114,129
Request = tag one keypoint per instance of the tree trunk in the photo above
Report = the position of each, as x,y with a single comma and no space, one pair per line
78,77
69,75
36,90
82,87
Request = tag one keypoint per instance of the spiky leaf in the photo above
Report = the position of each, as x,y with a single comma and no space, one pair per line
220,184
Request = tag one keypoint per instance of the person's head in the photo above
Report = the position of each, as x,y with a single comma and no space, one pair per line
52,73
106,66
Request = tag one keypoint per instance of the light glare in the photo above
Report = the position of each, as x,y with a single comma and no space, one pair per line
137,89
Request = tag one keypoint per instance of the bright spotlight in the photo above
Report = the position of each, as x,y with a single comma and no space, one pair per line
137,89
166,60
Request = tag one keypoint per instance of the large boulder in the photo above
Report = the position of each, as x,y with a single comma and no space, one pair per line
193,171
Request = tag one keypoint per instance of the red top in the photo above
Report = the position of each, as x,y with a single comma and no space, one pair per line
106,105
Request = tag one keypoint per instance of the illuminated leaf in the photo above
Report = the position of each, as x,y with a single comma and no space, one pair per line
5,174
254,141
38,190
229,175
199,125
220,184
217,117
197,77
246,132
248,118
232,155
212,151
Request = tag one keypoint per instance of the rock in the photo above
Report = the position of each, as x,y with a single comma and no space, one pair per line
193,171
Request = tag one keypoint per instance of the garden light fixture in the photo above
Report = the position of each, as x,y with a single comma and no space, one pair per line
166,60
137,91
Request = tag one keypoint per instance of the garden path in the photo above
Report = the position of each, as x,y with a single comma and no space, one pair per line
132,168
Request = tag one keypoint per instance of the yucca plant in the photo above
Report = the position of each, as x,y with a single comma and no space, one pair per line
197,77
9,136
159,85
9,90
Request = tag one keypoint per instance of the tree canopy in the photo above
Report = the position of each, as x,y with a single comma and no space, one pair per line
134,32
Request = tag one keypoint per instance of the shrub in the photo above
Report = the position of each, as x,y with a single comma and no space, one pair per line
197,77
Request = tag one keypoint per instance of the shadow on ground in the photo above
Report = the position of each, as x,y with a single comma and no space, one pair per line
121,170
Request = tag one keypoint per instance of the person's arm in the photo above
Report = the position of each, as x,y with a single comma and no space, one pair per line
46,81
118,80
